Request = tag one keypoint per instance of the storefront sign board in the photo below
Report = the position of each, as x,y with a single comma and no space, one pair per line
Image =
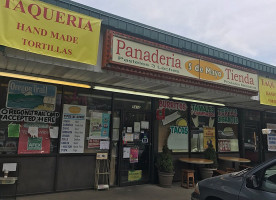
42,28
73,129
135,53
29,95
267,91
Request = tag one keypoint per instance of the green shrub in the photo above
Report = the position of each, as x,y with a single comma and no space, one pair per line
164,161
210,154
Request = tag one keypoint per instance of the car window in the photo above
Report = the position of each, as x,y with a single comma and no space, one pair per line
269,179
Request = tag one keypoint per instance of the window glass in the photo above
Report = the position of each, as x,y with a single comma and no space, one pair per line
28,111
269,180
228,122
173,129
202,127
98,112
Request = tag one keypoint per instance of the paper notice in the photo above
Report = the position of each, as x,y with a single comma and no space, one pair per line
144,125
137,127
104,144
11,167
129,137
33,131
126,152
53,131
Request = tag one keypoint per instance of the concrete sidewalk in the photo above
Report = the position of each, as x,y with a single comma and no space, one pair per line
141,192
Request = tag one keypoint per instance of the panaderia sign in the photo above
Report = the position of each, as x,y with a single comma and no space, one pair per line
45,29
134,52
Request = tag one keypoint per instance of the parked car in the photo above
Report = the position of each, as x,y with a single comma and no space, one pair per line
259,183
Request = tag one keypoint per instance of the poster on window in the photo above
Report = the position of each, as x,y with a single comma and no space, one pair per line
22,94
209,137
178,138
133,156
271,142
99,125
224,145
73,129
34,145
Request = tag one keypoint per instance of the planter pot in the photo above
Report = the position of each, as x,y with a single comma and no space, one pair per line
165,179
206,172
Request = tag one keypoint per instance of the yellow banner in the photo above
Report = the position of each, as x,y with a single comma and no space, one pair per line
41,28
209,136
267,91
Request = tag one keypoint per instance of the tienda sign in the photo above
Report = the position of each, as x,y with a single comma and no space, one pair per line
134,52
41,28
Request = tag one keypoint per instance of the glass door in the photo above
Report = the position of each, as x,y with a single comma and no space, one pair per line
252,149
134,148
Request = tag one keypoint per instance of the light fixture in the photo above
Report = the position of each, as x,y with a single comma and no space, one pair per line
130,92
45,80
198,101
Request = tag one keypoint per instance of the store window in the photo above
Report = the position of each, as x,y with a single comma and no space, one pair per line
202,127
86,117
173,129
30,116
228,123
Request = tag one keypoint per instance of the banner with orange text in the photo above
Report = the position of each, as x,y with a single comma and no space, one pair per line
42,28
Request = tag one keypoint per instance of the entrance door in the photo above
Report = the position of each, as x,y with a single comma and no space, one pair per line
252,142
134,148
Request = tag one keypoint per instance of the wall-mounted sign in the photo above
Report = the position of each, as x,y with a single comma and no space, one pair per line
172,105
28,95
73,129
42,28
25,115
267,91
148,56
228,115
135,175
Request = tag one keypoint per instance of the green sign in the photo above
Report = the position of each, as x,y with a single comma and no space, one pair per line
13,130
135,175
34,143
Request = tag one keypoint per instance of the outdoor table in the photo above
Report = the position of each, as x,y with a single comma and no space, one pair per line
196,161
234,160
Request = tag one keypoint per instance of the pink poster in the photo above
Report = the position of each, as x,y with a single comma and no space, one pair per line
34,145
133,157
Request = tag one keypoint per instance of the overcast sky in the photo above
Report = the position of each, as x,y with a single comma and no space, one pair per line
245,27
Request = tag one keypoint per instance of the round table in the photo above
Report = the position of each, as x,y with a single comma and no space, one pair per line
234,160
200,161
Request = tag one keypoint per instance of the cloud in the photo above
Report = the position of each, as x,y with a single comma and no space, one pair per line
244,27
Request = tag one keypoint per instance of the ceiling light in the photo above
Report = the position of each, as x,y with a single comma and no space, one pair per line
198,101
45,80
131,92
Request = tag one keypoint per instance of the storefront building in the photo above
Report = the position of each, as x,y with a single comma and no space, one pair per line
77,86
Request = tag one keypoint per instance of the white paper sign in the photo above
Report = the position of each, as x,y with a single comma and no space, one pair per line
126,152
73,129
144,125
11,167
33,131
271,142
129,129
53,131
137,127
104,144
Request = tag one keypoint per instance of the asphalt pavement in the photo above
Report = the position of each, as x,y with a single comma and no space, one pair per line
141,192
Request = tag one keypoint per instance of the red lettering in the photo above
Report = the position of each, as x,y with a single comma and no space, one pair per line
59,17
20,6
119,46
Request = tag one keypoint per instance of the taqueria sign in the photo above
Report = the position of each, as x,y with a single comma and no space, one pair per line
150,57
45,29
267,91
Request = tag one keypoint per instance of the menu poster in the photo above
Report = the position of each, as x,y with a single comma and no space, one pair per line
37,145
271,142
133,156
99,125
209,137
73,129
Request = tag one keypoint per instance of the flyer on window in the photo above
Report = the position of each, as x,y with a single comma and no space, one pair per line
133,157
99,125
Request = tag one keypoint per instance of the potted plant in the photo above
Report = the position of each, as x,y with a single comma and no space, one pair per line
210,154
164,163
